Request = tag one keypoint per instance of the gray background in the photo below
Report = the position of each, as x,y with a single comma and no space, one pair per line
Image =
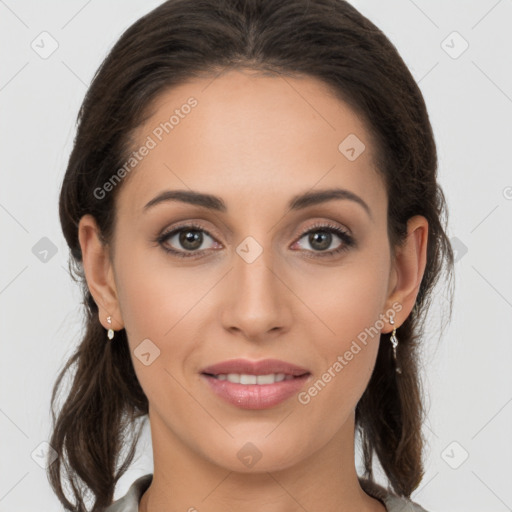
467,375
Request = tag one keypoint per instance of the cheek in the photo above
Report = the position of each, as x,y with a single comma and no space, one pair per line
159,303
352,297
349,310
154,296
348,358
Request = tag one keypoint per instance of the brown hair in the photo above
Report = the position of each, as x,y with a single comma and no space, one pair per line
184,39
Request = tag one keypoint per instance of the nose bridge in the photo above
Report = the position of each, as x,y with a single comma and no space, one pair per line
255,280
256,299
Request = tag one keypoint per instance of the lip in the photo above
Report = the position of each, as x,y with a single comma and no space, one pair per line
263,367
255,396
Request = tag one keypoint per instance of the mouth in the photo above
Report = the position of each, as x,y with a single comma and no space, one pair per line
255,384
245,370
248,379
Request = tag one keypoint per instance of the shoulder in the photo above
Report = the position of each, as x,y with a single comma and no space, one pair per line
130,501
392,502
400,504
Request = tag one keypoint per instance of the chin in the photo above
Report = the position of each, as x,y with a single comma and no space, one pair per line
259,455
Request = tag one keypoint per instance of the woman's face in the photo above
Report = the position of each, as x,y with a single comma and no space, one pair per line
253,283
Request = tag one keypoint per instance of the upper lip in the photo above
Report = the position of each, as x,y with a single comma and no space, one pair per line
263,367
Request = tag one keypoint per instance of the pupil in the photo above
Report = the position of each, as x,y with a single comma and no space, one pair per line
187,239
313,238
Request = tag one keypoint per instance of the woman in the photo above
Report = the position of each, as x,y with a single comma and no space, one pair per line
252,208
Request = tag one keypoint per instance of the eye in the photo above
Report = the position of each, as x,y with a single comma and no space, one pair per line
190,237
319,237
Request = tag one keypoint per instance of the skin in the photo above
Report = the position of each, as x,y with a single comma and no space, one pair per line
265,141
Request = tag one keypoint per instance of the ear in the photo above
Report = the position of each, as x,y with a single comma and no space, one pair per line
407,270
99,272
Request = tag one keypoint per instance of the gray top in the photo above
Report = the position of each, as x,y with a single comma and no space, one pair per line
130,501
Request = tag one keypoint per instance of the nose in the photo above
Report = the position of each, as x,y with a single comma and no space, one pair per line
258,299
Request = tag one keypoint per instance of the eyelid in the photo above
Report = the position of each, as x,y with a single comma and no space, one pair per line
344,234
191,224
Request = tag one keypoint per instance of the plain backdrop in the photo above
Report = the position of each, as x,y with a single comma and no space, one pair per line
460,54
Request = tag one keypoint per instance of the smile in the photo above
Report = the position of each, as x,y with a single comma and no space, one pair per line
244,378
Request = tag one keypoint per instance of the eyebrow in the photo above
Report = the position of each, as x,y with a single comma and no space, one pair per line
297,202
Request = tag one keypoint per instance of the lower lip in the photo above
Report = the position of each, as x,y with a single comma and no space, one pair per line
256,396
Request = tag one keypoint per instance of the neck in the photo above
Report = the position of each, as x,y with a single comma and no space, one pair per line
185,480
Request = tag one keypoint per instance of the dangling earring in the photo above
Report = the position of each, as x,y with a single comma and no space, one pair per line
394,342
110,333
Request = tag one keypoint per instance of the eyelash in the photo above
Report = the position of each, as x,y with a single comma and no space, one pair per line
348,240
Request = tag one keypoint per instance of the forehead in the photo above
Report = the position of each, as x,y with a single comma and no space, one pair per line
243,134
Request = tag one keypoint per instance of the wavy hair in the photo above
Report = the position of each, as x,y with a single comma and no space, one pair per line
185,39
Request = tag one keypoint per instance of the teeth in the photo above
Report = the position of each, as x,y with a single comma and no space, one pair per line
243,378
268,379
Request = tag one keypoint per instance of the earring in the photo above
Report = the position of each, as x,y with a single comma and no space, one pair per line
394,342
110,333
